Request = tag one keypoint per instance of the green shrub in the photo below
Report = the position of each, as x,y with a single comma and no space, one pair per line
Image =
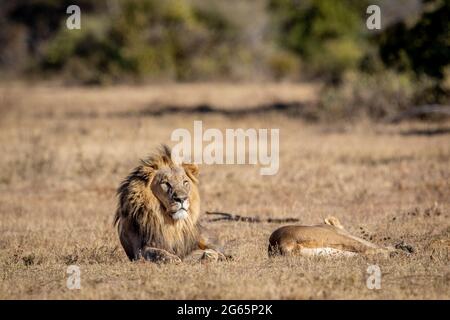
284,65
423,47
190,40
146,40
327,34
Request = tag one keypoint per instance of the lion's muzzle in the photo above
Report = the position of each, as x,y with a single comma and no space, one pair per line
180,209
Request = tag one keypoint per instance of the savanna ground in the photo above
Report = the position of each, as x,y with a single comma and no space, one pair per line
64,152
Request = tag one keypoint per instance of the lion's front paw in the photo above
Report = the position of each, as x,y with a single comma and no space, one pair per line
214,255
171,259
207,255
210,255
160,256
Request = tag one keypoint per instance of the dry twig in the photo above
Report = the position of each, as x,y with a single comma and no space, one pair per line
236,217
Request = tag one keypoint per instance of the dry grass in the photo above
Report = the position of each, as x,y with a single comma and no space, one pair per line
64,151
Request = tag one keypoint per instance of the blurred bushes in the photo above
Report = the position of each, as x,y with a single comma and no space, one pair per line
145,40
376,96
423,47
405,63
327,34
189,40
370,74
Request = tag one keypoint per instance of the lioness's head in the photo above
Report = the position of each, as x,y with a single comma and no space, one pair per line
172,187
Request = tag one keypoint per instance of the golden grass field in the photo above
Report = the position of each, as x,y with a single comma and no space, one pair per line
65,151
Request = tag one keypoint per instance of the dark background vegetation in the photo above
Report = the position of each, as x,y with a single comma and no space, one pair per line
373,72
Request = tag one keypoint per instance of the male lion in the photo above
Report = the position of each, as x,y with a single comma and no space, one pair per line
158,210
329,239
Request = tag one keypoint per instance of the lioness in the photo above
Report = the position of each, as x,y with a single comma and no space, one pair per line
329,238
158,210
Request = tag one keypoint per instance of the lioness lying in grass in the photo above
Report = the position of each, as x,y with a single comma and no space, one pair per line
328,239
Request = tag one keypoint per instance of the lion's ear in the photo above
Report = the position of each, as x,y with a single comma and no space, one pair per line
333,221
146,171
191,170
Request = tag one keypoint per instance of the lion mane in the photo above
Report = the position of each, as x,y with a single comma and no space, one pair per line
140,216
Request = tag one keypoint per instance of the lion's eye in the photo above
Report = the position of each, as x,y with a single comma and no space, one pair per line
186,183
166,186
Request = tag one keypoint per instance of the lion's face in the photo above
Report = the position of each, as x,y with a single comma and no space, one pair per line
172,187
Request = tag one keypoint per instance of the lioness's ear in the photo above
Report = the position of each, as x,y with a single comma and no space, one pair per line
191,170
333,221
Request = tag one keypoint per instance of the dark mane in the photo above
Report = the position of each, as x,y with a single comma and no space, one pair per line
162,157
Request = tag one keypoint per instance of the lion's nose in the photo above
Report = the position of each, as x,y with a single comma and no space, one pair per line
179,198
